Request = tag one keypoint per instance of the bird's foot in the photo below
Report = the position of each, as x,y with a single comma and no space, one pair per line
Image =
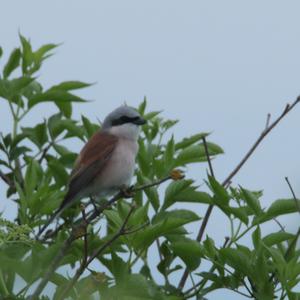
127,191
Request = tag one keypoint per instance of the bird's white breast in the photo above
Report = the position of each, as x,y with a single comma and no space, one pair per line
119,170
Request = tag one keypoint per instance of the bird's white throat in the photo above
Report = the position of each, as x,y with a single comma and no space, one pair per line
128,131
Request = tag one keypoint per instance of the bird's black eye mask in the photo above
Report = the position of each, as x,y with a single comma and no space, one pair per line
126,119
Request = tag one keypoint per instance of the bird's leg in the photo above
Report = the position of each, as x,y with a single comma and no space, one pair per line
127,191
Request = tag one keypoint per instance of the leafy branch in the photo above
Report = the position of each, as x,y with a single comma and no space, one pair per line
264,133
80,230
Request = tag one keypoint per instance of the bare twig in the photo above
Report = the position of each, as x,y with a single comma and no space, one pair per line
211,170
155,183
205,219
85,235
293,193
268,120
6,179
265,132
45,151
279,224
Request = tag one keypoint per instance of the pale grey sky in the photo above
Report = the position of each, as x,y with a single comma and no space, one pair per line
217,66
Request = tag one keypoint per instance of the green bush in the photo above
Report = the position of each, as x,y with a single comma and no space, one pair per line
35,164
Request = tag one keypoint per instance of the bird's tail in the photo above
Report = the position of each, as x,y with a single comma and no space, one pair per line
68,200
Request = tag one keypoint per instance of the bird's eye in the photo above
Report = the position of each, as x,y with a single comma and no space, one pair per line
124,119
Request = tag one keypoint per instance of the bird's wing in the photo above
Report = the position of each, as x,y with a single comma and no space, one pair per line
90,162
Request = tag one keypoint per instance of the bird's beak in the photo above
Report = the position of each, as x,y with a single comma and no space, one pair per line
140,121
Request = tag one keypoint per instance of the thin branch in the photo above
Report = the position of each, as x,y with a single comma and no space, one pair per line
279,224
205,219
130,231
85,256
211,170
293,193
155,183
267,130
268,120
45,151
6,179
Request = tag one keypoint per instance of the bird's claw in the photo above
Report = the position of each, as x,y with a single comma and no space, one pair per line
127,192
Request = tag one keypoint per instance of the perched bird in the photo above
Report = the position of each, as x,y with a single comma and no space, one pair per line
106,163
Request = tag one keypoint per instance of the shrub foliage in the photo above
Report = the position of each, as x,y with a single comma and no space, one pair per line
126,248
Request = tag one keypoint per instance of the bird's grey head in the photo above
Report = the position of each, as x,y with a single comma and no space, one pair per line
123,121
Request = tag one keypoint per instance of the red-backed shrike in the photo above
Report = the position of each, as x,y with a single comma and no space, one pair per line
106,163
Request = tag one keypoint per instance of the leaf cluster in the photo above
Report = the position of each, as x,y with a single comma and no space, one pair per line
35,163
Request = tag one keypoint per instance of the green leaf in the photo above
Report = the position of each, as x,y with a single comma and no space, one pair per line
238,212
65,108
68,159
143,159
183,191
58,172
55,126
114,219
190,195
196,153
1,52
256,237
142,106
57,96
221,196
116,266
137,287
189,251
39,55
175,218
153,197
89,127
139,216
169,154
149,116
27,54
33,176
252,200
38,134
17,151
174,189
61,150
277,257
70,85
237,260
18,84
190,140
283,207
277,237
166,125
13,62
210,248
163,223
